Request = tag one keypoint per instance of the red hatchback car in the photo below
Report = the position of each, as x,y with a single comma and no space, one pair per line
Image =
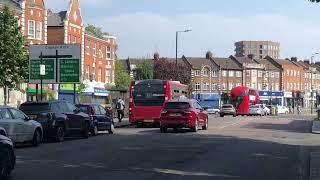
183,114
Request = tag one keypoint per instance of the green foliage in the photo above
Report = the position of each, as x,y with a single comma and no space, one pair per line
144,70
13,56
95,31
315,1
122,78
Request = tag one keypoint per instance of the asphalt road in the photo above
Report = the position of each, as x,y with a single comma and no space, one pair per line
241,148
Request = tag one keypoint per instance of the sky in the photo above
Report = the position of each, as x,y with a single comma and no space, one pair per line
143,27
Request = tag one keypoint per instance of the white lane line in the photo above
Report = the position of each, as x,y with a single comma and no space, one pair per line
234,124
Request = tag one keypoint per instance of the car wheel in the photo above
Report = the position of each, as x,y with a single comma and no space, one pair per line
205,127
195,129
85,131
7,162
163,129
37,137
60,133
111,130
95,131
234,115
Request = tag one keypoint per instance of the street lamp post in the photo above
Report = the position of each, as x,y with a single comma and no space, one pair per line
312,70
177,33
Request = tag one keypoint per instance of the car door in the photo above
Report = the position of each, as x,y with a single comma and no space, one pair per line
202,113
74,118
106,120
97,114
10,125
196,109
27,128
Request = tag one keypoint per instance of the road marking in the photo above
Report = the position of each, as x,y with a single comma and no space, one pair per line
234,124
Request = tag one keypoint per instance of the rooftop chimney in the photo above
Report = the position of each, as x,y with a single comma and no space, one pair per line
156,56
209,55
294,59
307,61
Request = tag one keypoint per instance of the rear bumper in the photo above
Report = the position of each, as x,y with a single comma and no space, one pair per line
133,120
227,112
180,123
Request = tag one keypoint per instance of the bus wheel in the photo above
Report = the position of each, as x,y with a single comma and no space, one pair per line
140,125
163,129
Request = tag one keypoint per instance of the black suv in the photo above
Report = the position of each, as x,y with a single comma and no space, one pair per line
58,118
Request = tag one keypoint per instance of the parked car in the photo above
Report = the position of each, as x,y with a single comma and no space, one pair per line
282,110
257,109
227,109
212,110
7,157
58,118
19,127
3,131
100,120
183,114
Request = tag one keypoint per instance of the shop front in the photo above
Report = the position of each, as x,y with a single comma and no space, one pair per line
272,97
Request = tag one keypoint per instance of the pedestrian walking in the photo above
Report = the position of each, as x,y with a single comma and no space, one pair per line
290,109
120,106
299,109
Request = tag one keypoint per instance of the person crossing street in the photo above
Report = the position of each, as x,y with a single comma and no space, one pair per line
120,106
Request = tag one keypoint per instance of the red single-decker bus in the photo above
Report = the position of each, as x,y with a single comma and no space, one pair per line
147,98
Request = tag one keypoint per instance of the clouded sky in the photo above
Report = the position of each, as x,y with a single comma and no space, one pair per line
145,26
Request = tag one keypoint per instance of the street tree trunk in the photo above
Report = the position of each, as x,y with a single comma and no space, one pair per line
5,96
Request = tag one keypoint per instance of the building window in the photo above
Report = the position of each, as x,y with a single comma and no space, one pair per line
108,76
205,72
266,74
248,84
288,72
100,53
93,70
39,30
214,74
94,51
277,87
31,32
248,72
291,72
99,74
74,41
238,84
238,73
224,86
294,73
231,73
272,74
197,73
214,86
197,86
231,85
206,86
298,73
108,52
277,74
260,74
224,73
88,72
259,86
87,47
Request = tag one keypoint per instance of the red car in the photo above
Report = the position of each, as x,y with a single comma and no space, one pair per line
183,114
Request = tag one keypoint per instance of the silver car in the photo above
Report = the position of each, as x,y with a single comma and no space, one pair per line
257,109
19,127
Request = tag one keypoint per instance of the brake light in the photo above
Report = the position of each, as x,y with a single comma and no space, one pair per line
130,109
164,112
187,112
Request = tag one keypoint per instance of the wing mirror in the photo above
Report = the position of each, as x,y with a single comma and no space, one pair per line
27,118
76,110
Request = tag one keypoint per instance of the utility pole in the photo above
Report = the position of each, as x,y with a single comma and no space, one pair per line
177,33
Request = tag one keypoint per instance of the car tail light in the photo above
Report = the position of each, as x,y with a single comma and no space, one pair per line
164,112
187,112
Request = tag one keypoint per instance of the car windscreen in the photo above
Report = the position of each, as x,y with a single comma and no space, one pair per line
177,105
35,108
226,106
152,94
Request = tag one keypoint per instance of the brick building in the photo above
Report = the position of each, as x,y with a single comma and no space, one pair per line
100,59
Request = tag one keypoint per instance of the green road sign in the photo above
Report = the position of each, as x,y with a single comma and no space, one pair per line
69,70
34,76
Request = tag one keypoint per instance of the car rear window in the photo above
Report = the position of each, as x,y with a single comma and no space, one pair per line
226,106
177,105
83,108
35,108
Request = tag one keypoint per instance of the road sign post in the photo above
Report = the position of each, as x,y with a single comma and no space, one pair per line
54,64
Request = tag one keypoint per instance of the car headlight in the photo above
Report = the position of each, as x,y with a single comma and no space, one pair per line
54,123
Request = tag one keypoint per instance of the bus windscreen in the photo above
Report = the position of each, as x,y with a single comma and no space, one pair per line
149,95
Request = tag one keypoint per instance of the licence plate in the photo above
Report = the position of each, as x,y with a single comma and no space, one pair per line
175,114
33,116
148,120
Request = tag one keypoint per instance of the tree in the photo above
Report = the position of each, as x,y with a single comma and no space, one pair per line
315,1
13,56
144,70
122,78
95,31
166,70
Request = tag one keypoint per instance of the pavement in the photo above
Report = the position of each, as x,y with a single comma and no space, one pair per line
233,148
124,123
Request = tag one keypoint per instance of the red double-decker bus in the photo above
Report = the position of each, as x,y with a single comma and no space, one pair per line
148,96
242,97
